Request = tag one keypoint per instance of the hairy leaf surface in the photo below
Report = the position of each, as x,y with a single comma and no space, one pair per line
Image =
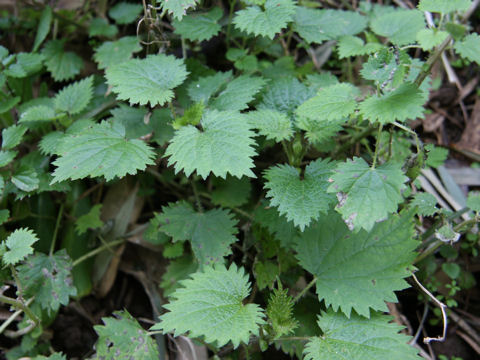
19,246
199,27
178,8
63,65
400,26
210,305
223,146
75,97
301,200
361,270
444,6
359,338
367,195
469,48
272,124
115,52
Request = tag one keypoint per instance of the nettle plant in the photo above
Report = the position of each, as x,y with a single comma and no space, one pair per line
282,177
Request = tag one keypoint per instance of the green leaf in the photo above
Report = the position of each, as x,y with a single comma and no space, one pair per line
285,95
224,145
367,195
132,119
178,269
300,199
354,46
101,27
49,279
318,132
405,102
266,273
122,337
211,233
280,313
238,93
332,103
453,270
89,221
4,213
231,192
101,150
447,234
436,155
191,116
26,179
400,26
116,52
124,12
54,356
149,80
359,270
266,21
204,88
425,203
25,64
380,67
19,246
43,27
272,124
359,338
48,144
6,157
75,97
37,113
473,201
172,251
12,136
210,304
178,9
469,47
199,26
444,6
430,38
316,26
63,65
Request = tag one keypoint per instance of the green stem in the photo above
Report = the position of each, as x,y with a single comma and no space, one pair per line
230,17
97,251
354,139
432,60
287,152
197,197
243,213
17,282
12,317
305,289
377,146
290,338
55,232
20,305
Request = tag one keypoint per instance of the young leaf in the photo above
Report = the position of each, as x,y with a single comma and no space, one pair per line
238,93
43,27
90,220
210,304
266,21
48,144
116,52
211,233
75,97
469,48
101,150
63,65
405,102
316,26
301,200
358,338
354,46
332,103
223,146
436,155
122,337
272,124
200,26
25,179
12,136
444,6
280,313
367,195
124,12
400,26
425,204
318,132
178,9
19,246
358,270
149,80
266,273
49,279
9,103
